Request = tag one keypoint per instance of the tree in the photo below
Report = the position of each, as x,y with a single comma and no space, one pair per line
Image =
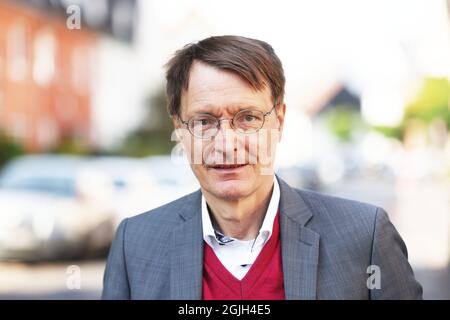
153,135
432,102
8,149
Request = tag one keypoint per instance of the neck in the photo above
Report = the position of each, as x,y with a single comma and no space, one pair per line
242,218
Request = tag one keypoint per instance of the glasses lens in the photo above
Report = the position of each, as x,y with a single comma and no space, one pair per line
203,126
248,121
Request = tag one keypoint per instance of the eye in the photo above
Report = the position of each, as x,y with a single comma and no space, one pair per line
202,122
249,118
205,122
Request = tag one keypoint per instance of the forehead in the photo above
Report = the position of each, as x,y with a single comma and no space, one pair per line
220,91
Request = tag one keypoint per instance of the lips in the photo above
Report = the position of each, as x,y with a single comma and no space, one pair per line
227,166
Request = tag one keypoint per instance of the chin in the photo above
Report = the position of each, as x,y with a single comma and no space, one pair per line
231,189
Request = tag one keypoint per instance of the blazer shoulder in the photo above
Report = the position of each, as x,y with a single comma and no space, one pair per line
165,215
147,235
329,209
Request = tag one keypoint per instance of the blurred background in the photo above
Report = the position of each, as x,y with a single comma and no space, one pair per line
85,139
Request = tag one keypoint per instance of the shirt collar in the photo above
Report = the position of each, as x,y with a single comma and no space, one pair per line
210,235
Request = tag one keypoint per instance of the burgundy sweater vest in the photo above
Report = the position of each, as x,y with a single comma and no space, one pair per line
264,280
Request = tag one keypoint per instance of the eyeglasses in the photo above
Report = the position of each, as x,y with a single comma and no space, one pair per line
247,121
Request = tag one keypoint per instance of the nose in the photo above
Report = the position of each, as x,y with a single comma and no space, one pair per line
228,121
226,130
226,140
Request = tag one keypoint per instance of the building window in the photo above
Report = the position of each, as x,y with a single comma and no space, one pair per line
44,58
16,48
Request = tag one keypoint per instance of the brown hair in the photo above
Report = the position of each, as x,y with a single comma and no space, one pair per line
253,60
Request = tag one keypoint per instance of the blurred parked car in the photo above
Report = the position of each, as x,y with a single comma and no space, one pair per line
304,177
173,176
134,188
53,207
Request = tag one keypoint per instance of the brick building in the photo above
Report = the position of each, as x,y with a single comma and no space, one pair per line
45,77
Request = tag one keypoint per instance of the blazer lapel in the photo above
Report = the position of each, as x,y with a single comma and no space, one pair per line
187,254
299,246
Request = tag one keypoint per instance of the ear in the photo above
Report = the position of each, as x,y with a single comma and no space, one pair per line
175,121
281,111
177,126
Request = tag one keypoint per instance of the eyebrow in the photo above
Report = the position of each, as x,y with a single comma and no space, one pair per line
235,108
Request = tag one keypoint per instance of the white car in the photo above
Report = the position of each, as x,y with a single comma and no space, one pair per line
53,207
173,175
134,188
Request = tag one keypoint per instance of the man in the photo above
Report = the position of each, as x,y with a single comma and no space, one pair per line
246,234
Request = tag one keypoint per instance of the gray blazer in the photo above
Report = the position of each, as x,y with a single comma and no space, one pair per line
327,245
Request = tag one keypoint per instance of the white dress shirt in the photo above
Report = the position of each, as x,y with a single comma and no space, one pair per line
237,256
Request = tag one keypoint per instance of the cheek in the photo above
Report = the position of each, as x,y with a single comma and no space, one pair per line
252,149
193,148
266,146
261,143
199,172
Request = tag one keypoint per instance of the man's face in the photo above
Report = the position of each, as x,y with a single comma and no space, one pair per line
230,165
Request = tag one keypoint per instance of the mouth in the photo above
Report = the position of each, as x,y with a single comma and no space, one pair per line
226,167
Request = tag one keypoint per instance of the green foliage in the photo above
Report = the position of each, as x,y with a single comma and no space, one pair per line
8,149
342,121
391,132
432,102
153,135
71,145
